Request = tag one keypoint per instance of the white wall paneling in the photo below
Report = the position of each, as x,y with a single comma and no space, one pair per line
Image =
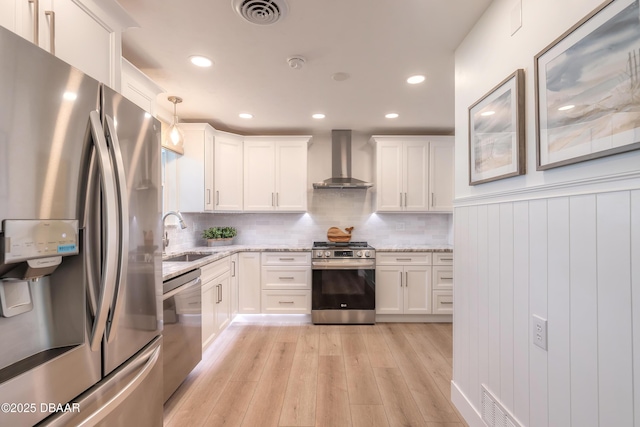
584,297
558,311
635,297
573,261
614,309
521,316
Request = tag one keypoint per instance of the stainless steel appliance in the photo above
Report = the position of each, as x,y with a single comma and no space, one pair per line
80,249
343,285
341,164
182,334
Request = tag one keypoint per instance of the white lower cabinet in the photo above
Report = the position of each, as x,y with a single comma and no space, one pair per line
249,283
414,283
286,282
443,283
234,284
403,289
216,301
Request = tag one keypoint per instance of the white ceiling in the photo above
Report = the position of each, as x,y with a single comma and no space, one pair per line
379,43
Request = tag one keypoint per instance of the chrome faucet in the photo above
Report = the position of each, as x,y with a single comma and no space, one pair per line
165,239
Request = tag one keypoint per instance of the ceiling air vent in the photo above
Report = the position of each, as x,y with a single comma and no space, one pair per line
261,12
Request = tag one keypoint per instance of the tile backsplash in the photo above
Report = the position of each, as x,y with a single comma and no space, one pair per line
327,208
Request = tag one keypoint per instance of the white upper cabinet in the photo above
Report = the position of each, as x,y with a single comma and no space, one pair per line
195,169
84,33
414,173
275,173
441,175
139,88
228,174
210,171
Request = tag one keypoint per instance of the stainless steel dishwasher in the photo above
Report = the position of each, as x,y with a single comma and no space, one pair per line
182,308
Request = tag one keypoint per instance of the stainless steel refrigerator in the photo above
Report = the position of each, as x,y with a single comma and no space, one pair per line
80,248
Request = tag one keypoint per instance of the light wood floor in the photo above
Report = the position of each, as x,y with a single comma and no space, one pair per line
316,375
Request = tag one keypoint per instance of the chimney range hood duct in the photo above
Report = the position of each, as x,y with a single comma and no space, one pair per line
341,164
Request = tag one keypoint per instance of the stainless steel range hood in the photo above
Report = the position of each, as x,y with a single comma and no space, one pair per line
341,164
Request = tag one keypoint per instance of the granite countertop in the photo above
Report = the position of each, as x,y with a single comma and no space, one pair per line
174,269
414,248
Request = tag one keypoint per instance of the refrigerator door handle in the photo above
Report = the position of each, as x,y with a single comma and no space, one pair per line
110,262
91,246
123,250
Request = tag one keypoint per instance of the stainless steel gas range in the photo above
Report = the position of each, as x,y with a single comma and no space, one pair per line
343,283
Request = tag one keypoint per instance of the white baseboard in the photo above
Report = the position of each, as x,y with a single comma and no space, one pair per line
464,406
414,318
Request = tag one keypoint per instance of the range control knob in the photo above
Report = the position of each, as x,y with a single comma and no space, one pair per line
327,254
359,253
319,254
367,254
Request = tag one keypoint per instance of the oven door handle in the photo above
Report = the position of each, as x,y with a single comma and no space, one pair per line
317,265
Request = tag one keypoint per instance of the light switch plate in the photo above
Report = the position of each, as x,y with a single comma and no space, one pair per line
539,331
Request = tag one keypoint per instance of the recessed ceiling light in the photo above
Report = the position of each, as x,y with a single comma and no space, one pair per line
488,113
200,61
340,77
318,116
246,116
414,80
391,115
566,107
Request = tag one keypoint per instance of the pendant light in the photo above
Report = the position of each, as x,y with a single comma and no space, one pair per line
175,136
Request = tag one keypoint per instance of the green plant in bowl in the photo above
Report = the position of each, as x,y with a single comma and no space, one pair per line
219,235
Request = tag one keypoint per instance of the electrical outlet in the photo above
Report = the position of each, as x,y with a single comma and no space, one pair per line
399,226
540,332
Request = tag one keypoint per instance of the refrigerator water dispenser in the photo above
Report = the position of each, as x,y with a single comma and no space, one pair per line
15,297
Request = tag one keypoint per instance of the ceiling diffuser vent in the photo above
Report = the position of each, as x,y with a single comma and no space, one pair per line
261,12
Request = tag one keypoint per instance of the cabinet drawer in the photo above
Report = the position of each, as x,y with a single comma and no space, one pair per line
403,258
442,302
286,258
286,277
442,277
443,258
215,269
286,301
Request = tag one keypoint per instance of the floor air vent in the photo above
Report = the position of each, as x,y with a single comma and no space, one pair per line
493,413
261,12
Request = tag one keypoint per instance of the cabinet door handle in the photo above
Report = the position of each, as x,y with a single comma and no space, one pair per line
446,302
208,196
400,199
446,259
405,200
406,279
401,279
285,302
52,31
233,270
36,20
272,202
277,199
220,291
286,278
447,278
217,198
433,199
285,259
404,259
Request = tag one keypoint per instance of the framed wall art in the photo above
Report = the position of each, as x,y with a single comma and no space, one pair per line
588,88
496,132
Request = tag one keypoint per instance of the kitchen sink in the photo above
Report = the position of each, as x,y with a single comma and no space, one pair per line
185,257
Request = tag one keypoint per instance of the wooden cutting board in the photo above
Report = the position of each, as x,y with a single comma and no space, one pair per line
334,234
